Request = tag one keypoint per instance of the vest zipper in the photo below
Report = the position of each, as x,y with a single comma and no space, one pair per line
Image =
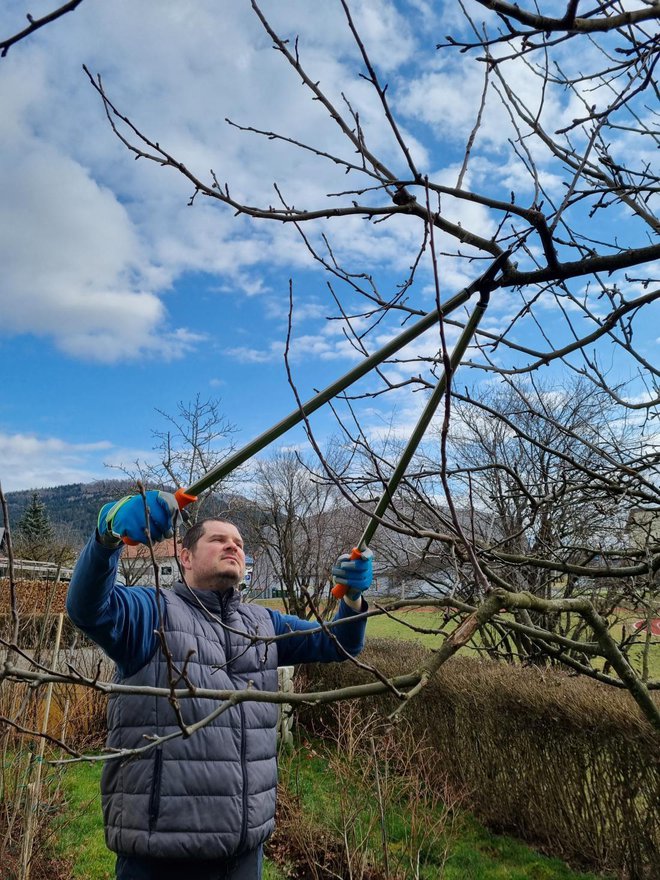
245,781
244,800
154,798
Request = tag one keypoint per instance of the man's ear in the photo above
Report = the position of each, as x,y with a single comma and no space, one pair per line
184,557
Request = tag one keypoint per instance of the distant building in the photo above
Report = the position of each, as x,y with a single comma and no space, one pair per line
644,527
29,569
136,566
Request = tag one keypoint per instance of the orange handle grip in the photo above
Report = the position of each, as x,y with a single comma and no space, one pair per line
183,499
340,590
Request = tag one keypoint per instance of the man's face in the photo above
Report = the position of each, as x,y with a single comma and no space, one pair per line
217,561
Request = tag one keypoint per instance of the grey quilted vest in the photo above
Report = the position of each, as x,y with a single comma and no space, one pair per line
211,795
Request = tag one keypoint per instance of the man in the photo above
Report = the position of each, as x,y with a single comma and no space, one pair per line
199,806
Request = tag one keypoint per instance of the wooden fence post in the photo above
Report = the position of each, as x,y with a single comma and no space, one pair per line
285,723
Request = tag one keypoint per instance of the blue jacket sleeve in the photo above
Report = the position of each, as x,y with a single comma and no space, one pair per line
121,620
318,647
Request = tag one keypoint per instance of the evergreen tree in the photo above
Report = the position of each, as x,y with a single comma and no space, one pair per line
35,531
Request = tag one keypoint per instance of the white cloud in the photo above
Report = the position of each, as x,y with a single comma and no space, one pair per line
384,28
71,274
245,355
37,462
331,343
95,240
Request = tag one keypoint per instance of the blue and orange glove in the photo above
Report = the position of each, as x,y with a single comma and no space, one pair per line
126,518
355,572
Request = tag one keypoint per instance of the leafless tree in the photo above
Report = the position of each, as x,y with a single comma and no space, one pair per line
297,528
192,442
565,109
556,181
540,471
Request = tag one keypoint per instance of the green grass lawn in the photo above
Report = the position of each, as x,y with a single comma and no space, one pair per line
409,621
480,855
79,834
474,853
385,627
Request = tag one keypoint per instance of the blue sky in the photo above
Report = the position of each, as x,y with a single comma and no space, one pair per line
117,299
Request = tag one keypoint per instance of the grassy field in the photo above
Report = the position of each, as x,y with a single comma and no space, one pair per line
409,622
402,628
79,830
422,625
473,852
451,847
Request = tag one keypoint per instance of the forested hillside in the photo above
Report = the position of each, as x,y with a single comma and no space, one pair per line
73,509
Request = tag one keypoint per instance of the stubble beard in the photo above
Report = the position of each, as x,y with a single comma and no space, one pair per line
224,582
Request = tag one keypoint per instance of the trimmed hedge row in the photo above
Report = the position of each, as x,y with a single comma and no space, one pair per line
563,762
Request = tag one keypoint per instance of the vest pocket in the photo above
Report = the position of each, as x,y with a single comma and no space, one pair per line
154,797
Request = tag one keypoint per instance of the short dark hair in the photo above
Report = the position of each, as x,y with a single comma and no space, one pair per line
194,533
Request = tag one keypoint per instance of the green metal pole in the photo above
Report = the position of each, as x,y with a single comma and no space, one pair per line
422,425
484,282
242,455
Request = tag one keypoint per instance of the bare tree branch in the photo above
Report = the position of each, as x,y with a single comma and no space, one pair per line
35,24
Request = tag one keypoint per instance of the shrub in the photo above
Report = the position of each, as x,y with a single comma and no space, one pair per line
564,762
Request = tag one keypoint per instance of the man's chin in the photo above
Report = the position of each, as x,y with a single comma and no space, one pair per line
226,581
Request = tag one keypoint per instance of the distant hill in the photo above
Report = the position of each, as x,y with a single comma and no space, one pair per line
73,509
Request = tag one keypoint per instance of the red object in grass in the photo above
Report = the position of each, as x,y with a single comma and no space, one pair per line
654,623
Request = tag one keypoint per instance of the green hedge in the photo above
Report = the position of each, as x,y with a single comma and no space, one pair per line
563,762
